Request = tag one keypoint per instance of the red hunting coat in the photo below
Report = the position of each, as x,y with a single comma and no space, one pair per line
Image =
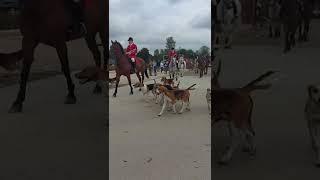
132,50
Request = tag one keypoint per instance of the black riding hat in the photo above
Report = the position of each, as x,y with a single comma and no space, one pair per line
130,39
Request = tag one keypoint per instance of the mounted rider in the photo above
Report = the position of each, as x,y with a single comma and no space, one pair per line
131,52
172,55
227,18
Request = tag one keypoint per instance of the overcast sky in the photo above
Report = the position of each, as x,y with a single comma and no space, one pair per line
150,22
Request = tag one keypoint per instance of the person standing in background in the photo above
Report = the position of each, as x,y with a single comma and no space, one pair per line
161,66
155,67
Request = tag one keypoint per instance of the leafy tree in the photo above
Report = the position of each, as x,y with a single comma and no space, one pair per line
204,51
183,52
144,54
170,43
190,54
156,53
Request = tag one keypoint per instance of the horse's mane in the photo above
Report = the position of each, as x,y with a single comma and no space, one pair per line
121,48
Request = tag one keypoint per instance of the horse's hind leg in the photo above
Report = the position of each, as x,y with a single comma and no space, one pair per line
306,30
129,81
140,81
92,45
28,47
62,51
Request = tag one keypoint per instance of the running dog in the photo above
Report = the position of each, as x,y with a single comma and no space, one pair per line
160,95
147,88
94,74
173,96
312,115
166,81
235,106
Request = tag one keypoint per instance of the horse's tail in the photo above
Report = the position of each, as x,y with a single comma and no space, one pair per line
146,72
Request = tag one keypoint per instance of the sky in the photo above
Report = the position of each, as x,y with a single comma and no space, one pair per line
150,22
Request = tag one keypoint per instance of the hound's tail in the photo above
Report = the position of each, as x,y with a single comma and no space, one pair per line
190,88
252,85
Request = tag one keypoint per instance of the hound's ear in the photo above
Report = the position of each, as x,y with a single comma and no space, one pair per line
112,42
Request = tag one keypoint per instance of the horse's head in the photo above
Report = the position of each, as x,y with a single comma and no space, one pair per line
116,49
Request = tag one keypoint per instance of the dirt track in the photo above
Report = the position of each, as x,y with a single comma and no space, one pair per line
173,146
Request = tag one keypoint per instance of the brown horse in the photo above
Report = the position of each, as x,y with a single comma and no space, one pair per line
307,7
207,61
291,18
47,22
202,62
124,66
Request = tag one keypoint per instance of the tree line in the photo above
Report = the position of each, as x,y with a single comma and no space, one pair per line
159,54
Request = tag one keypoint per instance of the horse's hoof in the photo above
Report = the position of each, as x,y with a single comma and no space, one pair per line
131,93
140,89
16,108
70,100
159,115
114,95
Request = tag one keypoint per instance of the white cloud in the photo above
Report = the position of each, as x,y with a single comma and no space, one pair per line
150,22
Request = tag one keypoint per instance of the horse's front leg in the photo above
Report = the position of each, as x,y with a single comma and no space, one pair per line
63,56
129,81
287,42
117,84
28,47
142,74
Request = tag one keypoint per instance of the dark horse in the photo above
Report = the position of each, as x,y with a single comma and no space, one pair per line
291,18
47,22
306,12
207,61
202,63
124,66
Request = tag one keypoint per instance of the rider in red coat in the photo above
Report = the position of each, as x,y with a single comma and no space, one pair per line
131,52
172,54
